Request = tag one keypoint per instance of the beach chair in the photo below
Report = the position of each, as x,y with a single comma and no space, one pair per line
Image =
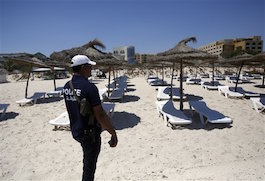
211,85
163,93
151,79
122,85
190,81
55,93
246,94
111,86
212,116
116,94
31,100
108,108
171,115
228,93
63,121
3,108
258,103
102,93
232,79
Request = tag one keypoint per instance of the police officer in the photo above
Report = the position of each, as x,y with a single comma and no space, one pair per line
87,135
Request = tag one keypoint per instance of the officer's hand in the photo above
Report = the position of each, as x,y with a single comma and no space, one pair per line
113,141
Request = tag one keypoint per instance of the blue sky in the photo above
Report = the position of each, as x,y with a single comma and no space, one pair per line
151,26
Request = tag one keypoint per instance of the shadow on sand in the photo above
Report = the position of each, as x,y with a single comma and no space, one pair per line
49,100
123,120
130,98
9,115
260,86
130,89
191,97
130,85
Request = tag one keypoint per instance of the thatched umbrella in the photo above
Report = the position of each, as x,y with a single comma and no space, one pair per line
241,60
183,54
30,61
91,51
261,59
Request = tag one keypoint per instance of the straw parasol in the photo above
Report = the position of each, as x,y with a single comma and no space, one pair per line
261,59
183,54
29,61
91,50
246,59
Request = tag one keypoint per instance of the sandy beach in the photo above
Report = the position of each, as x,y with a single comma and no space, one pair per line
147,150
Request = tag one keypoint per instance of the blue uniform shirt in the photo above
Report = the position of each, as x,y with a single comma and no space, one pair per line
83,89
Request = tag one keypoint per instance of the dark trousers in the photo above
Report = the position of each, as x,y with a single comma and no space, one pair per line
90,157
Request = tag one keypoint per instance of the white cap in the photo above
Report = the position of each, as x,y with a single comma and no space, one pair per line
80,60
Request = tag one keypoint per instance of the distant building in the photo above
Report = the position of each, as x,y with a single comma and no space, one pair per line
227,46
141,58
127,53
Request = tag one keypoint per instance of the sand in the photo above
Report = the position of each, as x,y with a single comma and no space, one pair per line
147,150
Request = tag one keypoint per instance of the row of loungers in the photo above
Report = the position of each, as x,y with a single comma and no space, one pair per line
40,95
174,117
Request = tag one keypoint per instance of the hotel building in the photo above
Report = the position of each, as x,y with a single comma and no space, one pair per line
227,46
127,53
141,58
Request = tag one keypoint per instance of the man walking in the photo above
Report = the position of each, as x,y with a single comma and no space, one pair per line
85,131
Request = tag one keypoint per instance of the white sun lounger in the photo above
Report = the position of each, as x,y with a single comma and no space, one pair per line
171,115
228,93
247,94
232,79
116,94
193,81
3,108
102,93
122,85
163,93
33,99
258,103
54,93
210,86
63,119
212,116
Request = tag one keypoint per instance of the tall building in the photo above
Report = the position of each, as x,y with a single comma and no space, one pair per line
227,46
141,58
127,53
254,43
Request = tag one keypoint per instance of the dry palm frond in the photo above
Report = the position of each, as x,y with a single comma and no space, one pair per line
185,41
95,43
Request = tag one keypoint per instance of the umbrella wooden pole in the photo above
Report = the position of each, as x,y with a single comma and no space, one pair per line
263,76
163,73
213,76
54,83
238,74
181,86
109,82
115,85
26,92
172,74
